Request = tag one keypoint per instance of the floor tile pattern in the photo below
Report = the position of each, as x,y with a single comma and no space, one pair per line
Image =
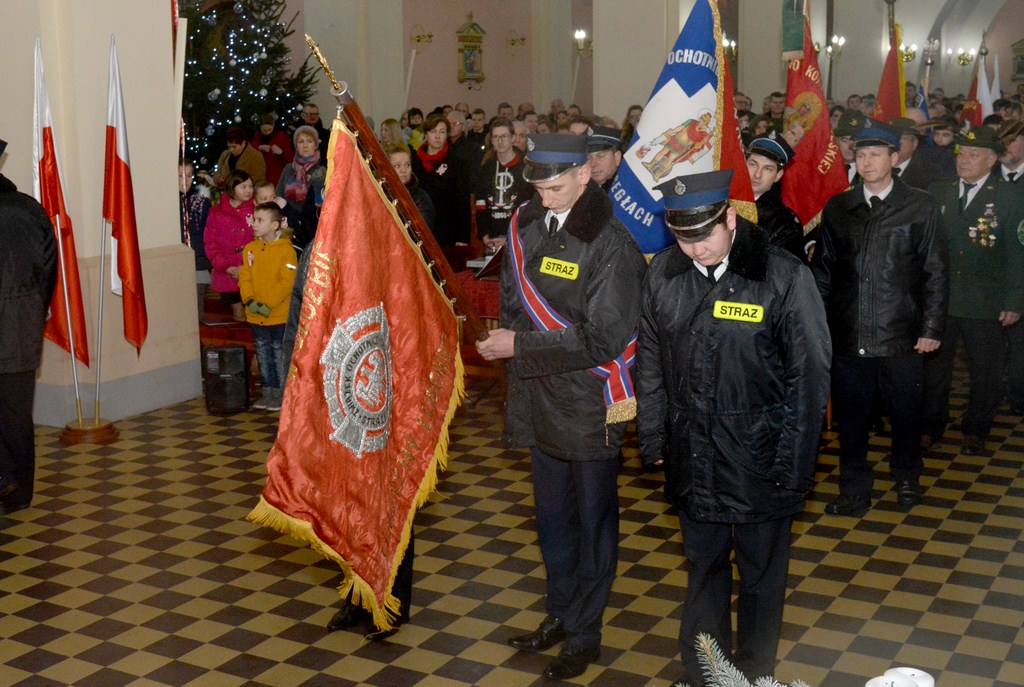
135,566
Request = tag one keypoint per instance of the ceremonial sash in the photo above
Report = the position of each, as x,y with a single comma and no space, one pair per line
619,397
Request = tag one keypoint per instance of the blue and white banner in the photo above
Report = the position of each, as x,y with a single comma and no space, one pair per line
680,131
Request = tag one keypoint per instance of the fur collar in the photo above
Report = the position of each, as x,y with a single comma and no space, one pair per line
748,257
588,216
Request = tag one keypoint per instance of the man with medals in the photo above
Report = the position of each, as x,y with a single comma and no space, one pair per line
570,301
732,381
981,218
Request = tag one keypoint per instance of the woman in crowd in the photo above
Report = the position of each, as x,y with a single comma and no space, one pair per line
401,160
239,156
228,229
391,134
275,147
444,179
302,185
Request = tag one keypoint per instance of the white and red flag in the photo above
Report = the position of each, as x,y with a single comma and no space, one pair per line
119,210
66,320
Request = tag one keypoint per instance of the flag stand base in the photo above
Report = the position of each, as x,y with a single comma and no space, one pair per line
89,432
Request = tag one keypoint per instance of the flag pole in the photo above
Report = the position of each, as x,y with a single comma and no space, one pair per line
98,430
67,316
370,149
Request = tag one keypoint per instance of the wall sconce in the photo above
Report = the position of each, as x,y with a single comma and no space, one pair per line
584,47
513,41
729,46
931,49
964,58
908,52
419,37
835,47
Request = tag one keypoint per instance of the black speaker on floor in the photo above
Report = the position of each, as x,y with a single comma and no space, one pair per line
225,379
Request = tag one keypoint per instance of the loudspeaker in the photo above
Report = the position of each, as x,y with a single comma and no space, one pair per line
225,379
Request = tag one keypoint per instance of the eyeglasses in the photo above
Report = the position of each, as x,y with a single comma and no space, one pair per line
501,138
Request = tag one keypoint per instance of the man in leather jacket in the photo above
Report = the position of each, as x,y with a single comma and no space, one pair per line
767,158
881,267
570,302
732,383
28,272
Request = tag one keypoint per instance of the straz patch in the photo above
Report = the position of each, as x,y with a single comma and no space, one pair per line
560,268
741,312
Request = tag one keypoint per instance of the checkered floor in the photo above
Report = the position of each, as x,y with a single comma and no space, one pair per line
135,566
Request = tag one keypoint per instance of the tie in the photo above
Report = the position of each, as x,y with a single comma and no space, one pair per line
963,196
552,225
896,172
1011,176
876,202
711,272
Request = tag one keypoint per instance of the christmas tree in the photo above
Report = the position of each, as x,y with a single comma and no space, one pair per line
719,672
237,68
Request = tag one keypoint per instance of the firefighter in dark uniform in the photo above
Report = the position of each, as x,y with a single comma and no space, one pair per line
570,302
767,158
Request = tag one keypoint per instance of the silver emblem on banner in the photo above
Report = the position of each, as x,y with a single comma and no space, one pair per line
357,381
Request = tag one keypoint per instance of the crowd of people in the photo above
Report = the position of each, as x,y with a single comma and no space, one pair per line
740,332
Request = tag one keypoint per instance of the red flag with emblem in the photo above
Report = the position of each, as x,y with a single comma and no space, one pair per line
374,381
972,108
816,172
66,320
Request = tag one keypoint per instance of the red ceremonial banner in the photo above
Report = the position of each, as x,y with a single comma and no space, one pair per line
890,102
816,172
374,381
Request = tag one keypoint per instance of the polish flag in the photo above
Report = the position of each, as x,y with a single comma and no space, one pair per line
119,210
66,321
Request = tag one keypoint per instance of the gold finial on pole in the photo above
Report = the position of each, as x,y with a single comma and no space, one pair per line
339,89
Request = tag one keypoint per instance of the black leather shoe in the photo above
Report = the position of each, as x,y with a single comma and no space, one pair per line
908,493
927,443
972,445
350,615
550,632
571,662
849,505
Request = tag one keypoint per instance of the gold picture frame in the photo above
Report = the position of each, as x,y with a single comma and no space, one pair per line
471,51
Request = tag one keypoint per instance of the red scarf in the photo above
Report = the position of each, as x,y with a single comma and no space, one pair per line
430,162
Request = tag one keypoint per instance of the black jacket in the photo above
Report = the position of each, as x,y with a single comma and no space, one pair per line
882,272
28,272
554,402
732,380
783,226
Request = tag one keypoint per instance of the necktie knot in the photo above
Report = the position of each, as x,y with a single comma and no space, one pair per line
552,225
965,195
711,272
896,172
876,202
1011,176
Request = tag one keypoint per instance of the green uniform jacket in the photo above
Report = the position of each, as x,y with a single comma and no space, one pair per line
986,258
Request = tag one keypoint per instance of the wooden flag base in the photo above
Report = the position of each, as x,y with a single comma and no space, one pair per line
89,432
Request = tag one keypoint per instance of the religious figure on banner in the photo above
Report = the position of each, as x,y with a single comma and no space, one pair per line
686,142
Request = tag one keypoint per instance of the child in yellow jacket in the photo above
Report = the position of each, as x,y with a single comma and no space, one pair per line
265,284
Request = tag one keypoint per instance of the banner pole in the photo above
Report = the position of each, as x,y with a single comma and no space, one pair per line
67,316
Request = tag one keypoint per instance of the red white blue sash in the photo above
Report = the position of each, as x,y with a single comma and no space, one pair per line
619,397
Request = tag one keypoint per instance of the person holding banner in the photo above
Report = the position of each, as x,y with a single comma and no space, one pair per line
28,273
570,298
732,382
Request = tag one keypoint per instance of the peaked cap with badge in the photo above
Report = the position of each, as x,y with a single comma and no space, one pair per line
549,156
693,203
774,147
982,137
875,133
603,138
849,122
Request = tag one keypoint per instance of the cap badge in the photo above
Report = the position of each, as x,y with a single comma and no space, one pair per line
680,187
970,135
530,145
590,131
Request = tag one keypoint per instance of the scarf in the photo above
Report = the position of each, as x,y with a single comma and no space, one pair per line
431,162
297,186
